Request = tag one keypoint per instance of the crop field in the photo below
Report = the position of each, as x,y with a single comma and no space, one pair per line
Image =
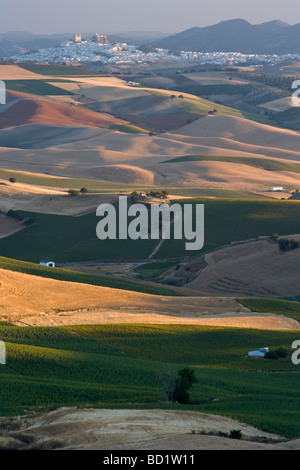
232,220
68,239
278,306
74,276
117,366
129,129
57,69
265,163
152,270
36,87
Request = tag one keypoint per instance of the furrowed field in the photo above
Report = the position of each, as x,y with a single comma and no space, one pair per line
117,366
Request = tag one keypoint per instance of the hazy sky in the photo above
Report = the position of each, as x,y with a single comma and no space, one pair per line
55,16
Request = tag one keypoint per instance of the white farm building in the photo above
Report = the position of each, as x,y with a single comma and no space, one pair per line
258,352
50,264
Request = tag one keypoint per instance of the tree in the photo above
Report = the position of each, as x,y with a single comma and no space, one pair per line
83,191
168,381
12,180
177,384
184,382
73,192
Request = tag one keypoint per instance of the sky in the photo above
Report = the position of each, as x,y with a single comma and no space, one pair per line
113,16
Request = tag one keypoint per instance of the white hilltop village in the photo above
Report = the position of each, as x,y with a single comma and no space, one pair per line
98,50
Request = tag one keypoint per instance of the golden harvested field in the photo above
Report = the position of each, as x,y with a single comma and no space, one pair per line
14,72
28,300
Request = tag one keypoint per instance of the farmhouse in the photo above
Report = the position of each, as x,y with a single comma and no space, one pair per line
258,352
50,264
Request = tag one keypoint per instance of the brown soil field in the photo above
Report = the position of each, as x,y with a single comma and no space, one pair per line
35,301
9,226
76,143
109,429
244,131
33,198
256,268
279,105
43,111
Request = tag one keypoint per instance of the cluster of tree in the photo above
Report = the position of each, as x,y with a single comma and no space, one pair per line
141,197
176,384
285,244
76,192
278,353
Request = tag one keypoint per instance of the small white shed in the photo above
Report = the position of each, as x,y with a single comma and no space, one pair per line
50,264
258,352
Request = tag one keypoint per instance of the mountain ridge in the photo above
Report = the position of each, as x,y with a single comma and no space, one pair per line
237,35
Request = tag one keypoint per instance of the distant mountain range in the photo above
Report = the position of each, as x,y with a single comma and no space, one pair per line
274,37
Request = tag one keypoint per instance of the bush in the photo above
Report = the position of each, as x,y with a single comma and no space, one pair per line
281,352
271,355
235,434
286,245
12,180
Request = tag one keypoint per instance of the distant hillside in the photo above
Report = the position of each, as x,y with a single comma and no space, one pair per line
14,42
274,37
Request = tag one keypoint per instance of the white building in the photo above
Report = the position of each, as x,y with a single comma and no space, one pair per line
258,352
277,188
50,264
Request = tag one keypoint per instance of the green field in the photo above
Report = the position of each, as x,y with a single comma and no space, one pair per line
58,69
278,306
117,365
74,276
67,239
36,87
230,220
152,270
214,192
264,163
128,129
